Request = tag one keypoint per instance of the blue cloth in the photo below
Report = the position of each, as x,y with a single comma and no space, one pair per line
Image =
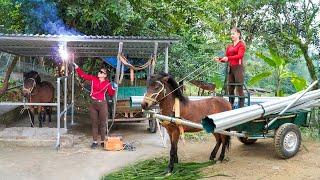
112,61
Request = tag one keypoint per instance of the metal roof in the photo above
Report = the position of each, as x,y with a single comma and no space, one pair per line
82,45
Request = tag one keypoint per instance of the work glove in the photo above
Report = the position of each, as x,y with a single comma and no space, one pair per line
114,85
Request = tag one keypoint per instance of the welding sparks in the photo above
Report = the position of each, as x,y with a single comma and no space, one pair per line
63,52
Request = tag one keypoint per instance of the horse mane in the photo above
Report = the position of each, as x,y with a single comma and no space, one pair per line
32,74
174,86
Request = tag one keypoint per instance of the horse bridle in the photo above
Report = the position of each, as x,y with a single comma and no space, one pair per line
29,90
153,97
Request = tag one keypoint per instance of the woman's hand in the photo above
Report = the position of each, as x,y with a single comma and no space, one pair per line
217,59
75,65
224,59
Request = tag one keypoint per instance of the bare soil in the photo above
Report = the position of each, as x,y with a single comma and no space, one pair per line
257,161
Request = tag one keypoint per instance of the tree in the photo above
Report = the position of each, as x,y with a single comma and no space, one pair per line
295,23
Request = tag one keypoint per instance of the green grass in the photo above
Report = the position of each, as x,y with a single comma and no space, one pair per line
197,136
155,169
310,133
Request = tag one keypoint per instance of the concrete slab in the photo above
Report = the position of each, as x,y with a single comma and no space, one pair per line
35,137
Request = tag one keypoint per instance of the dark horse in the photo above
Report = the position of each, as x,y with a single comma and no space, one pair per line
37,91
159,91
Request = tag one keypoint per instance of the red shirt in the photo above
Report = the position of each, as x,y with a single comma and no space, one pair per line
236,53
98,88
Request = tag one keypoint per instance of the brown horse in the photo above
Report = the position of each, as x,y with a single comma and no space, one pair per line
37,91
163,89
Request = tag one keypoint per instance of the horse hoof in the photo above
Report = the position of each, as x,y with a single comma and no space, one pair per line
223,159
168,171
211,158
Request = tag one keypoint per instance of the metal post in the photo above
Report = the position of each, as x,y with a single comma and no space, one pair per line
153,63
58,114
166,60
72,92
65,104
117,80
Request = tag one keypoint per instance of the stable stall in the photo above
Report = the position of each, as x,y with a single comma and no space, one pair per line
70,47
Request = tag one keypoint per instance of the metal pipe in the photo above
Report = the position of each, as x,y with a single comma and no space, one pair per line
190,123
72,92
137,100
166,58
65,98
58,114
221,122
289,105
65,110
175,120
153,63
117,80
27,104
232,133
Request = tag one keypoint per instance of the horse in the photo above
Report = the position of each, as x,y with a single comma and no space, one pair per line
37,91
162,89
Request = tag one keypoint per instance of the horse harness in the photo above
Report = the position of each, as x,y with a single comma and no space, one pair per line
29,90
153,97
176,107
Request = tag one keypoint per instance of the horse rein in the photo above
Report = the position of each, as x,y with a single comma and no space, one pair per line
153,97
165,95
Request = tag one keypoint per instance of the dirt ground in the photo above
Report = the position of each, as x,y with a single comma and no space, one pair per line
78,162
257,161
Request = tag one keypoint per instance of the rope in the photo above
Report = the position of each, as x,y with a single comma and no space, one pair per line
205,69
129,146
25,107
124,61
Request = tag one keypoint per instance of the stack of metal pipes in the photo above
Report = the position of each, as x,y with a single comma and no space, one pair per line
235,117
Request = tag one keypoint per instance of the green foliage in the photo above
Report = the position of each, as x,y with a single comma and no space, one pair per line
290,27
154,169
279,71
259,77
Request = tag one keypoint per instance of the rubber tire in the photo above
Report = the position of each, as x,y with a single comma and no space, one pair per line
279,138
247,141
153,126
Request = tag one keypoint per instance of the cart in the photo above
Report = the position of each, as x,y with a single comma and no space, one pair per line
285,131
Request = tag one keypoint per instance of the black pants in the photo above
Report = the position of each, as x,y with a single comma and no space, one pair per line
236,75
98,115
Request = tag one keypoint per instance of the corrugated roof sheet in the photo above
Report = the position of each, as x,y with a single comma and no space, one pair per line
82,45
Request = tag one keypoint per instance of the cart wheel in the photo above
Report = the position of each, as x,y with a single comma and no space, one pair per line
153,126
247,141
287,140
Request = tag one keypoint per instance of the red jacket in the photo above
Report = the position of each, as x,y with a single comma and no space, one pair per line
98,88
236,53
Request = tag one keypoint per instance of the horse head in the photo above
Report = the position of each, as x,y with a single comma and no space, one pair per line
160,87
31,79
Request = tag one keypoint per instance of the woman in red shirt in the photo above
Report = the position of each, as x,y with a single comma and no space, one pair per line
234,56
99,107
